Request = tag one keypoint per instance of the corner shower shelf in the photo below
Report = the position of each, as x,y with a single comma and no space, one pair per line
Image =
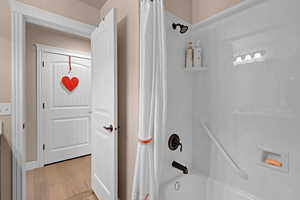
196,69
227,156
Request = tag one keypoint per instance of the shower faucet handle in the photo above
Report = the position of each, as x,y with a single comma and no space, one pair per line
180,144
174,143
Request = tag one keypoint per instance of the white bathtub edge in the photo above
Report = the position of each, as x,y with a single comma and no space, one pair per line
212,181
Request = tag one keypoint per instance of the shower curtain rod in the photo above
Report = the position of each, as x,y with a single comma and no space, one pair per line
227,156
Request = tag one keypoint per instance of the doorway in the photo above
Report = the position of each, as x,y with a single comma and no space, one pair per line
58,115
99,113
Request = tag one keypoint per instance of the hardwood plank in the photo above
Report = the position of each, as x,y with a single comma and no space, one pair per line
68,180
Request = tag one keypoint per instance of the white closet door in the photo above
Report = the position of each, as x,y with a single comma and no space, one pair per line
67,113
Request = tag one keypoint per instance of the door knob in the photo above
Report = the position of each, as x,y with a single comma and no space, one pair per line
109,128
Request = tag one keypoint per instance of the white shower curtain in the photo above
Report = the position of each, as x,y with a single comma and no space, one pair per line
152,109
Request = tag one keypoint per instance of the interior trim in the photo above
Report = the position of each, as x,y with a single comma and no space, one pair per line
41,17
245,4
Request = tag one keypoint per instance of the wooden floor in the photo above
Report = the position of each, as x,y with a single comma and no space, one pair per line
68,180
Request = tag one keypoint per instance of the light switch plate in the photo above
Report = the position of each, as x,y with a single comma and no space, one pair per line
5,108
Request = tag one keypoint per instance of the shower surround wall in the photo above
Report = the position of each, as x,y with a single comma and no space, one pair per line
252,105
180,95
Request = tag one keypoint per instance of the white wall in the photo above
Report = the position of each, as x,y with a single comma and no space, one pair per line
251,105
180,95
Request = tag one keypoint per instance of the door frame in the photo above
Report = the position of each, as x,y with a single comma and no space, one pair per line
40,50
21,14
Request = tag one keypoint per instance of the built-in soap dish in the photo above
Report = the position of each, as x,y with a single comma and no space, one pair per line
273,160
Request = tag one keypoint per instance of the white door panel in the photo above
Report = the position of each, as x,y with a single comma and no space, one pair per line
72,128
104,107
67,121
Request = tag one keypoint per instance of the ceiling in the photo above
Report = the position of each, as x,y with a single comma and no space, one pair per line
94,3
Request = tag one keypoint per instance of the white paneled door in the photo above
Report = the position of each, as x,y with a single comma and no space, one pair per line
66,106
104,109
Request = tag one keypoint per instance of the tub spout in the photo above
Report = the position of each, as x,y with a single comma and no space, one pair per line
180,167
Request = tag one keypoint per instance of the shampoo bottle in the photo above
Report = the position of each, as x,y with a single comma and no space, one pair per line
197,59
189,56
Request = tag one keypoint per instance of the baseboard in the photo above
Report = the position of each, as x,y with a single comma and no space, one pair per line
31,165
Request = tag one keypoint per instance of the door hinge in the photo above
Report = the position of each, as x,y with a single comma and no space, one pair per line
43,105
23,125
43,63
44,147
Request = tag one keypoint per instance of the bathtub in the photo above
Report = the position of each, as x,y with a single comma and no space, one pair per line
199,187
186,187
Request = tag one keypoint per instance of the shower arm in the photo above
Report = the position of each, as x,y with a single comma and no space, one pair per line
227,156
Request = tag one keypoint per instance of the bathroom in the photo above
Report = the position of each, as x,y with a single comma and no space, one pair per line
235,112
221,122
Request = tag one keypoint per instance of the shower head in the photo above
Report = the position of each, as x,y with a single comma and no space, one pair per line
183,28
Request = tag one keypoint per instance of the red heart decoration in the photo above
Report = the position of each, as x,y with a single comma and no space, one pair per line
70,84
